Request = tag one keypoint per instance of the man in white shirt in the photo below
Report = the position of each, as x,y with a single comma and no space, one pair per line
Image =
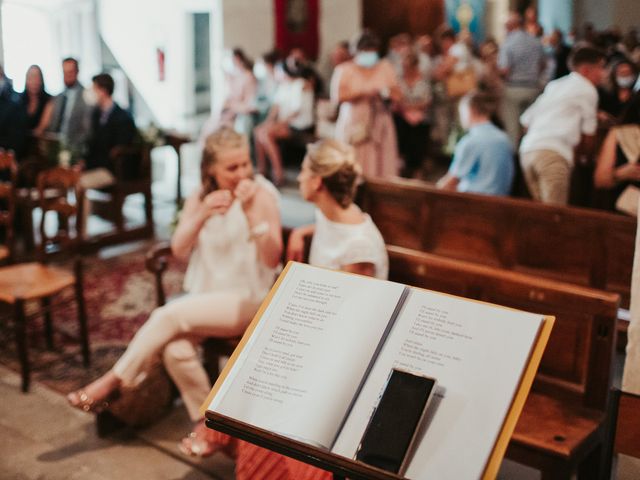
562,118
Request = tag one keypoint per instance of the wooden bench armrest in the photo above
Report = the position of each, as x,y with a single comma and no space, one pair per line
157,262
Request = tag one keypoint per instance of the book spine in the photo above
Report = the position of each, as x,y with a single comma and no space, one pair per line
383,339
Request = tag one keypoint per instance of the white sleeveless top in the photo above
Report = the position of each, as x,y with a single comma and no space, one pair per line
226,258
337,244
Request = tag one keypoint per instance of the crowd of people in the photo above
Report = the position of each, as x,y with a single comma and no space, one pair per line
86,122
554,98
400,109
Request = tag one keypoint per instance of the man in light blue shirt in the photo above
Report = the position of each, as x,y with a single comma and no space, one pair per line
483,158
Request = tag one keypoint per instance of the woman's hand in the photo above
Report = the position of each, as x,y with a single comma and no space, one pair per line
296,242
295,246
216,203
629,172
246,192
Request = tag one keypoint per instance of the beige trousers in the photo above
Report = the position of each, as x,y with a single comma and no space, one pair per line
548,176
174,330
515,101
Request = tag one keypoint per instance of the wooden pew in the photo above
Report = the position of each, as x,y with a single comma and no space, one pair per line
573,245
560,431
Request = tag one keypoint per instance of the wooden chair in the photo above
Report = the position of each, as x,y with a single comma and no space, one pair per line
175,140
129,181
623,436
8,176
27,198
39,282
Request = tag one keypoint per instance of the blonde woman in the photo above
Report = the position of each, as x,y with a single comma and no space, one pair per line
230,231
344,238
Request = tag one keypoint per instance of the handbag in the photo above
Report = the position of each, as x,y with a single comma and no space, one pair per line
360,130
359,133
460,83
146,402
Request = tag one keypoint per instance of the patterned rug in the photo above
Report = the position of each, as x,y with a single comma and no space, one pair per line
119,295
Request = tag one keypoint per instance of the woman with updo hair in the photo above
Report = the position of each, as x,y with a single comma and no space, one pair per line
344,238
230,231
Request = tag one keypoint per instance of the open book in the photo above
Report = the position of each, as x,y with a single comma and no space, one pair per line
316,357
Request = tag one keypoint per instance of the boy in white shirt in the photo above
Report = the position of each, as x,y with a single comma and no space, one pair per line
562,118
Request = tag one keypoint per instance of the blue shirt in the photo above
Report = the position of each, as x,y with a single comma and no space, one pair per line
483,161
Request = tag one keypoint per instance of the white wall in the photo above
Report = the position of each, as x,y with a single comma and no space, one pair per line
249,24
339,20
626,14
496,15
1,46
598,12
43,33
134,37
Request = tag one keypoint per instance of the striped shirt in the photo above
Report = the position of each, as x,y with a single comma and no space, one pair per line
522,55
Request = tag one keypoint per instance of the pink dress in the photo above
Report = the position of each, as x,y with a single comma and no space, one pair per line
367,124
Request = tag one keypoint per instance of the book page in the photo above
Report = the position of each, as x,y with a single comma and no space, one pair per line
299,371
477,353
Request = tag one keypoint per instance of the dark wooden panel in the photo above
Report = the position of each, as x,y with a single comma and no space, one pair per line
579,246
401,216
388,18
553,244
467,232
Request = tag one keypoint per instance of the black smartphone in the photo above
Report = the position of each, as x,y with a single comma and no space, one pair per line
391,431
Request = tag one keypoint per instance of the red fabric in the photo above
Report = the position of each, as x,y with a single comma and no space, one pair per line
306,39
257,463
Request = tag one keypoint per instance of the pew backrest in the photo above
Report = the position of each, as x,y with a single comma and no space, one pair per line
574,245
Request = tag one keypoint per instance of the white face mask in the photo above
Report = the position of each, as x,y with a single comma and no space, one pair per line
626,81
89,96
366,59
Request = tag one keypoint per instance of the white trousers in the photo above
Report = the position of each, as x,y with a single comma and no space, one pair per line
175,329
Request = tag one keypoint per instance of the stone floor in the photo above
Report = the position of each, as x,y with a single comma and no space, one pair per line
43,438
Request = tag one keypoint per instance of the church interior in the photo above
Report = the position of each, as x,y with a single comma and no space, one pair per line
162,160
